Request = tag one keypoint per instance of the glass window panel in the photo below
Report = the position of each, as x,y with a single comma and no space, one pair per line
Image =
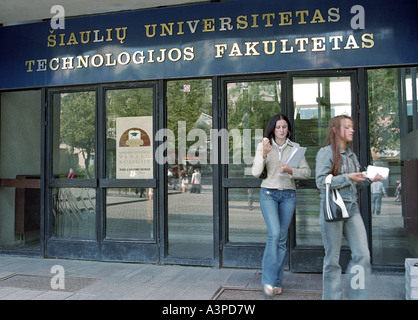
190,205
306,215
411,85
129,155
316,101
74,121
246,223
250,107
129,133
74,213
390,239
20,158
129,213
321,98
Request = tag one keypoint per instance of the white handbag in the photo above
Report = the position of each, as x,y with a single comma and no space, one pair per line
333,205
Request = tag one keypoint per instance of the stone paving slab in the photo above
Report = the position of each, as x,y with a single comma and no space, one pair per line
28,278
43,283
253,294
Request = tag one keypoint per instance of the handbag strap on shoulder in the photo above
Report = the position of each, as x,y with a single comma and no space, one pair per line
328,179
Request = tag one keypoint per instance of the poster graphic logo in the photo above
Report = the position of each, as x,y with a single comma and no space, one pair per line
134,137
134,148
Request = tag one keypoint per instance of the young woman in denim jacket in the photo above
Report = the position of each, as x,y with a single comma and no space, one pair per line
338,159
277,196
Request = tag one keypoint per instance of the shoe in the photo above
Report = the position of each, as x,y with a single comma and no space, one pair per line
271,291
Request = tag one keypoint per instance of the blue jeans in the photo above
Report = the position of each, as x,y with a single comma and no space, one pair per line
277,207
358,270
376,203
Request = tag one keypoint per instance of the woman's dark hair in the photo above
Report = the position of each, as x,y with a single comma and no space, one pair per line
269,132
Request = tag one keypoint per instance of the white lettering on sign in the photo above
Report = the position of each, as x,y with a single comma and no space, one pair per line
110,60
297,45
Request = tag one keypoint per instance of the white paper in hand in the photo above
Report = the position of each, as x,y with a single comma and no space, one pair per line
295,157
373,170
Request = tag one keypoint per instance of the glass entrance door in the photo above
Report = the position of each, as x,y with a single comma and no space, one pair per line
393,122
316,99
129,179
101,173
71,174
129,158
189,187
248,105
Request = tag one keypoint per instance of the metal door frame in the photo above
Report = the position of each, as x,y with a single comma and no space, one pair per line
310,258
99,248
247,255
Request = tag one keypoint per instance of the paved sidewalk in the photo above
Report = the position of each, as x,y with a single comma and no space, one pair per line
28,278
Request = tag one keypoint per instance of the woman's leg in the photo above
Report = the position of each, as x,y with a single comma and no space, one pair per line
331,274
287,205
359,269
269,208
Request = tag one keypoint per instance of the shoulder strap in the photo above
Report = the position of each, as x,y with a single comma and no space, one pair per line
328,179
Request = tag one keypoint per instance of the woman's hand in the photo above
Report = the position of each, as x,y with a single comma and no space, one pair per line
356,176
266,147
378,177
283,168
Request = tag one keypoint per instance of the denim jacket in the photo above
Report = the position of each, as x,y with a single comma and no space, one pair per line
346,187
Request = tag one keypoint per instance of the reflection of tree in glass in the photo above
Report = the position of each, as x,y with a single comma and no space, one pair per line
127,103
77,125
251,105
189,106
383,111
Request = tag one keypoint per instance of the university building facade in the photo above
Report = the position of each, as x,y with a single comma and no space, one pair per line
106,123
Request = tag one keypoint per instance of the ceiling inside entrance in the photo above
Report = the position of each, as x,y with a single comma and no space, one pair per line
26,11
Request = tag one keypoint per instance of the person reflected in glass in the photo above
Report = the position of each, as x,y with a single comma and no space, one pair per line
277,196
184,180
377,190
398,192
196,181
337,158
71,174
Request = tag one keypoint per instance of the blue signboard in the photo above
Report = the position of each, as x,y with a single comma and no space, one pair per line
236,37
